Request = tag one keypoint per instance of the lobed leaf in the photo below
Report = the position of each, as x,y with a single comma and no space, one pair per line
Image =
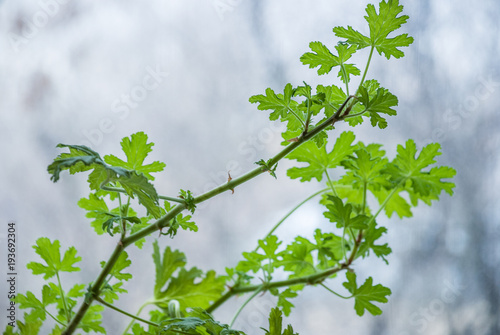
407,170
50,253
136,150
276,324
323,57
342,214
319,159
381,24
365,294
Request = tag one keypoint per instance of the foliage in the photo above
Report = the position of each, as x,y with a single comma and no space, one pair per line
184,297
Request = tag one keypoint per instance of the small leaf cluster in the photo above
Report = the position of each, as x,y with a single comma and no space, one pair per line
299,106
55,302
113,176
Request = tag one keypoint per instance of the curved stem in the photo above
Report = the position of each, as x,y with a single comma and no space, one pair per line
366,67
290,213
123,230
113,307
355,114
66,310
330,183
121,190
342,67
243,306
137,315
55,319
332,291
363,206
296,116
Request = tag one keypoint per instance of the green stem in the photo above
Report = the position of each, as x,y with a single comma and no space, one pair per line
95,289
137,315
309,280
360,235
290,213
382,206
121,190
345,76
101,301
363,206
354,115
243,306
66,310
308,118
332,291
123,230
330,183
366,68
55,319
298,118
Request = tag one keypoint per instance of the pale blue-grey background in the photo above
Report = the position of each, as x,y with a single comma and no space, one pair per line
67,66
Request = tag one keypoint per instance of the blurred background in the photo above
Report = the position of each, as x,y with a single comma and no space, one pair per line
93,72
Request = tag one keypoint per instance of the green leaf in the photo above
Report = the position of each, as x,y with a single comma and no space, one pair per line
366,293
322,57
82,158
136,150
269,245
365,168
352,37
370,235
97,210
282,105
57,330
284,302
407,170
334,98
379,103
200,322
79,159
31,325
188,198
121,263
395,204
139,185
92,320
266,166
109,293
297,258
186,223
276,324
108,225
31,301
385,22
381,24
319,159
341,214
285,109
165,266
329,247
253,262
192,288
183,221
50,253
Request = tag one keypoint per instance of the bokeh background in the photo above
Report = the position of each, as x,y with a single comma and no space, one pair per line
74,72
